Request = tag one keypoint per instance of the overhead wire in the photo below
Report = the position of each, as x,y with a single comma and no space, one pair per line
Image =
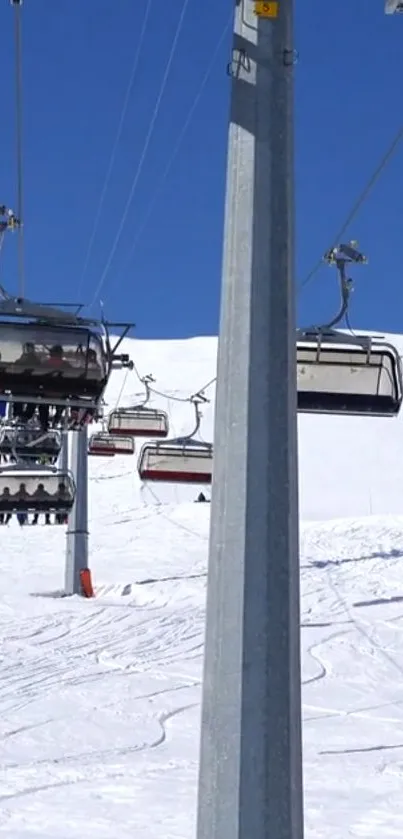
132,78
182,398
363,195
144,151
168,395
122,388
19,132
175,151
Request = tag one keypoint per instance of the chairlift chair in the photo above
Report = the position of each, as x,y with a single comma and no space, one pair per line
337,374
51,357
138,420
52,361
41,490
341,373
181,461
103,444
176,461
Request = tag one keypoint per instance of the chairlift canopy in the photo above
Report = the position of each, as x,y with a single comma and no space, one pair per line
189,462
336,375
36,491
103,444
46,360
139,422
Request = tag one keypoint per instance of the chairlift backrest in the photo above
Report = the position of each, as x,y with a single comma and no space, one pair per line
175,463
138,422
346,378
109,445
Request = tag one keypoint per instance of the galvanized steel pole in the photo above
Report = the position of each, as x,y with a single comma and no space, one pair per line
64,453
77,532
250,784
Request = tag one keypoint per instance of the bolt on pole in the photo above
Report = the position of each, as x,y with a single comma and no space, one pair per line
250,781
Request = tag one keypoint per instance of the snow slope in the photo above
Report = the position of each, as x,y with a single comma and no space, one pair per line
348,466
100,700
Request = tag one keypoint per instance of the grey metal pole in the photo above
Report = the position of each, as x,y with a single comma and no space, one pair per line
77,532
64,453
250,782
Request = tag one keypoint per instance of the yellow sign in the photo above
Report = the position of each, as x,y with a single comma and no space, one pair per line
266,9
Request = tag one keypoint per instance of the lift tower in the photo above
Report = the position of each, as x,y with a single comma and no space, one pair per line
250,784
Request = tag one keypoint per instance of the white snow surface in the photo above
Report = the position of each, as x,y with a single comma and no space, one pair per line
100,699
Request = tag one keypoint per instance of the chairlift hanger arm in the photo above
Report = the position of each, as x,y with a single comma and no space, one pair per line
187,440
9,220
117,360
393,7
196,400
341,256
125,327
345,292
146,381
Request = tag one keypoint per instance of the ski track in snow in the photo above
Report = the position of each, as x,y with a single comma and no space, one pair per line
100,700
102,693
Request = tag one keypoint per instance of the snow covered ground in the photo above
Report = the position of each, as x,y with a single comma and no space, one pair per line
100,699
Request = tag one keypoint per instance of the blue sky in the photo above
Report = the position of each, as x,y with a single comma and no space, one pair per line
166,267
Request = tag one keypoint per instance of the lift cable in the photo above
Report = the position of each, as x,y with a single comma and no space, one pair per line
182,398
357,205
19,134
175,398
117,403
132,78
142,226
145,149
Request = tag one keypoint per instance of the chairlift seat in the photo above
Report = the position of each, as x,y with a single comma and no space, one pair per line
108,445
36,491
189,462
138,422
346,377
